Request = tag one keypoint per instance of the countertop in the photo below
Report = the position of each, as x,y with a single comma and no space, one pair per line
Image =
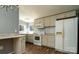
7,36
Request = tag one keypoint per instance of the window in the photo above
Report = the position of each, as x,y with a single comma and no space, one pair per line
21,28
31,28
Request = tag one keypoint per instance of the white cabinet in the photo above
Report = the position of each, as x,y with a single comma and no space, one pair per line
48,40
39,23
66,35
44,40
23,44
30,38
45,22
67,14
70,14
19,45
63,15
49,21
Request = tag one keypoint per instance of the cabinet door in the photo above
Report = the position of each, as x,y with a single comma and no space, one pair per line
30,38
70,14
59,35
39,23
61,16
46,21
70,35
50,41
52,21
23,44
17,45
49,21
44,40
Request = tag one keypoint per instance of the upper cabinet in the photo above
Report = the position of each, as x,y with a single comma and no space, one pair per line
63,15
67,14
49,21
70,14
39,23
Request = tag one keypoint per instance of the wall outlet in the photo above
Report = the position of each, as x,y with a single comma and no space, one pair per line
1,47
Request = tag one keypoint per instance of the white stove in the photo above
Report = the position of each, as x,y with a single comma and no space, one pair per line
37,39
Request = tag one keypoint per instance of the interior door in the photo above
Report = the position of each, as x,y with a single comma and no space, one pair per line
59,35
70,35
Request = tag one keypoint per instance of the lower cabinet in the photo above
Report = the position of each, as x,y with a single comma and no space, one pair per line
30,38
19,45
44,40
48,40
23,44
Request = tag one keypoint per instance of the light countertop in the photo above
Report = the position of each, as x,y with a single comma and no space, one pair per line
7,36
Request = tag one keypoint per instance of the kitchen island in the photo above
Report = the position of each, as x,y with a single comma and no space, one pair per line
12,43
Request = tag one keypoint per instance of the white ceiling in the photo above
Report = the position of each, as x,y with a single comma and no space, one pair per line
36,11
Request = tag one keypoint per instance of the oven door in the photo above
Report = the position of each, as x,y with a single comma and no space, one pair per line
37,40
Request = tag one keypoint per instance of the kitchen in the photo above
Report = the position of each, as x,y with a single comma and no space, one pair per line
53,27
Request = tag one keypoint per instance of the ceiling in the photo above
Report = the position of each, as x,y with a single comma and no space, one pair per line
30,12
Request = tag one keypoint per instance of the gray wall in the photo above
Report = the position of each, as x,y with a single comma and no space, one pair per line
9,20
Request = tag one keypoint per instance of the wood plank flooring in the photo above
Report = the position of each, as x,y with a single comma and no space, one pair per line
34,49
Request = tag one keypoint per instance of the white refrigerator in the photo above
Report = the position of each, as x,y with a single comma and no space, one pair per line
66,35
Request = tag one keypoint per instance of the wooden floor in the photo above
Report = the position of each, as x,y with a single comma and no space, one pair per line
34,49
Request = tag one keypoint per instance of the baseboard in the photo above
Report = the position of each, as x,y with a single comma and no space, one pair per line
29,42
65,52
